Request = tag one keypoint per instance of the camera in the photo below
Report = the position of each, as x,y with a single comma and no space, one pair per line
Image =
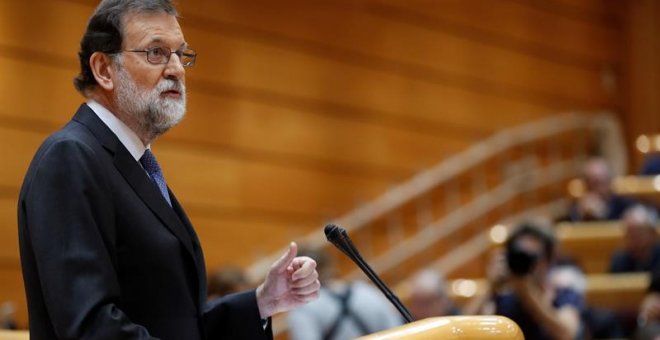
520,261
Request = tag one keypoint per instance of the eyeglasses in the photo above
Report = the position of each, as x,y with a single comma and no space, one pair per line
161,55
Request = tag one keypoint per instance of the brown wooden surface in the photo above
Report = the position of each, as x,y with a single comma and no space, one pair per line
641,188
617,291
612,291
590,244
14,335
643,79
453,327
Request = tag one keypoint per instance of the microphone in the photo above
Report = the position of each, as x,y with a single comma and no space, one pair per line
339,238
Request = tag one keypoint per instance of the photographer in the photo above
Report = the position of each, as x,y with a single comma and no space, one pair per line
520,290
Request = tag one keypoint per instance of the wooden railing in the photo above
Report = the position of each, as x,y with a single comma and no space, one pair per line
522,160
643,188
450,207
613,291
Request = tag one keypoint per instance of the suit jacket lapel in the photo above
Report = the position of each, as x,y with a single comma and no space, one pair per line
136,176
199,255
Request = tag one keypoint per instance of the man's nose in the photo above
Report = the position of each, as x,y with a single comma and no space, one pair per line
174,68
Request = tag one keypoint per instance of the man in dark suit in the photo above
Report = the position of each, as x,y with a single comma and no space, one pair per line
106,249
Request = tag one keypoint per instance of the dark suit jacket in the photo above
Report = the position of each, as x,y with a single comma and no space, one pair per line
103,254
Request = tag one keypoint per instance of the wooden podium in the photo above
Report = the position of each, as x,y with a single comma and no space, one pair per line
453,327
14,335
448,327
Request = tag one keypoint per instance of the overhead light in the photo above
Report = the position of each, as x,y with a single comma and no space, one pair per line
643,143
499,233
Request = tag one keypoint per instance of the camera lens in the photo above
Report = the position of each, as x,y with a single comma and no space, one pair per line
520,261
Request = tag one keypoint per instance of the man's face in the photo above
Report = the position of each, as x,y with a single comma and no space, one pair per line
598,178
638,238
154,95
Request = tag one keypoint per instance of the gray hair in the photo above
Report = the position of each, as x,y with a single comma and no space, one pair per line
105,31
641,214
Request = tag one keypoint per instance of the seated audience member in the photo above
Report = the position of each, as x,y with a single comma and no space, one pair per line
344,310
651,165
226,280
428,297
519,288
641,251
598,201
601,323
7,311
648,320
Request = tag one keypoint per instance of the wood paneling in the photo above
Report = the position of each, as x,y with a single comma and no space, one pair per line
274,133
526,28
623,292
8,231
17,147
591,245
643,83
404,37
208,177
241,242
39,92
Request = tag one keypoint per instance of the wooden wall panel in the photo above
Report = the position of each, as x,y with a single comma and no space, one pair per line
516,21
377,148
403,42
595,11
40,95
8,231
237,241
56,28
16,147
414,91
522,26
643,104
206,177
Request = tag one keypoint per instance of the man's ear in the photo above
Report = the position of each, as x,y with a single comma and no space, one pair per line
103,69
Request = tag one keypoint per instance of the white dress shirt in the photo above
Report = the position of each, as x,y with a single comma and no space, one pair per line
126,136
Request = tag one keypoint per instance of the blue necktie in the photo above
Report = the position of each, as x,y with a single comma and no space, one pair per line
148,161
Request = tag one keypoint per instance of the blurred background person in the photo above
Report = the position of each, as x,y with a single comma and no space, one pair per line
601,323
7,311
227,280
648,319
344,310
598,202
428,297
520,289
641,250
651,164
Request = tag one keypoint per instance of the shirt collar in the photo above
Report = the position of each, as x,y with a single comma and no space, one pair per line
126,136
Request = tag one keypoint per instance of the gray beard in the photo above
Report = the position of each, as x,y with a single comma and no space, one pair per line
153,114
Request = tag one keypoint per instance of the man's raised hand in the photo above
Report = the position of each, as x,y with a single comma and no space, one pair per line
291,281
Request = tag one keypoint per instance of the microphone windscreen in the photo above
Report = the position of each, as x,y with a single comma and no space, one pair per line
332,231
